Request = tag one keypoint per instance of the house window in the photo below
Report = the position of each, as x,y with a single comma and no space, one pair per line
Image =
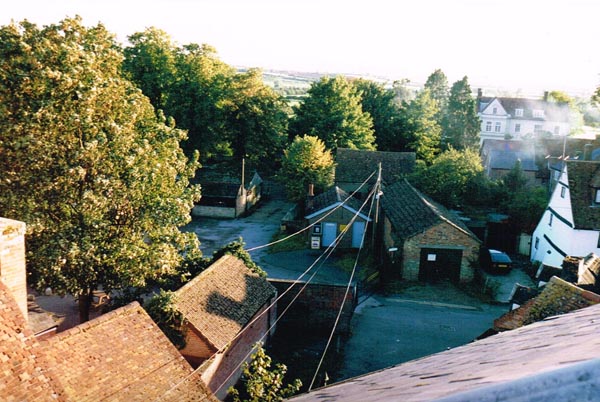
495,110
556,130
517,128
537,128
488,126
498,127
551,218
519,112
597,196
563,191
537,113
537,242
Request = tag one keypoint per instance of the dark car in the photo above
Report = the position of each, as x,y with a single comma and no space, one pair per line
495,261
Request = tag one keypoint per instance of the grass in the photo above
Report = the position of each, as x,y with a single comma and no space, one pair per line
365,266
292,244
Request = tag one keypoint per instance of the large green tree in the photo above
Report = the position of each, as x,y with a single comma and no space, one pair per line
422,129
450,176
306,161
332,111
461,124
85,161
437,84
380,103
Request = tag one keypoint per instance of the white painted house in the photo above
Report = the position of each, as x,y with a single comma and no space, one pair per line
518,118
570,226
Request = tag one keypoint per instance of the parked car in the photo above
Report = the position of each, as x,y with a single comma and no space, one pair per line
495,261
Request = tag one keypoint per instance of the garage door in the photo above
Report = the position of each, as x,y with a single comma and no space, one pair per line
440,263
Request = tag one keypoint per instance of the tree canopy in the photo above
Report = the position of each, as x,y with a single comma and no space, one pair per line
306,161
85,161
332,111
422,129
461,124
437,84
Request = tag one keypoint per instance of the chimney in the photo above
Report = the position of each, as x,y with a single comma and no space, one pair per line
546,93
479,93
587,152
12,260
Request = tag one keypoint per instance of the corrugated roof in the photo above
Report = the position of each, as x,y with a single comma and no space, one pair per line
221,300
545,346
410,212
121,356
586,214
354,166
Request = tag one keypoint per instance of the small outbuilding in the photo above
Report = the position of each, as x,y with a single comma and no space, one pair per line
331,212
424,241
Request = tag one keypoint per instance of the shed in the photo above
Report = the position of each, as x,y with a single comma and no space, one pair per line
331,212
422,240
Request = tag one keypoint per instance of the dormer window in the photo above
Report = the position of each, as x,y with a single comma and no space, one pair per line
538,113
597,196
519,112
495,110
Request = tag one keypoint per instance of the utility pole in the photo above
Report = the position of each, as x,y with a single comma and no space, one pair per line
377,193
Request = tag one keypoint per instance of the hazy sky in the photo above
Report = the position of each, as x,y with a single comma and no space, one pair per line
526,45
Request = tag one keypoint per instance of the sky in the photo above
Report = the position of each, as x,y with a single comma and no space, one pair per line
513,46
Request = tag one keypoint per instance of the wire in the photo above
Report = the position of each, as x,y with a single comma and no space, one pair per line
328,251
337,319
315,222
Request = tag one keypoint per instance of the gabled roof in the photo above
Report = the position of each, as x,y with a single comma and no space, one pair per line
121,356
330,199
354,166
221,300
558,112
503,359
558,297
410,212
581,174
21,375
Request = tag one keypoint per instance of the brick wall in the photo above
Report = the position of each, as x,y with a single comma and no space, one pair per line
226,368
317,306
442,235
12,260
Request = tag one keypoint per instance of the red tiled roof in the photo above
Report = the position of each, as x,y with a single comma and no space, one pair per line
223,299
21,376
120,356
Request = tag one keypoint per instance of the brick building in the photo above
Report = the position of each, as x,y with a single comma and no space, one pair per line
226,312
422,240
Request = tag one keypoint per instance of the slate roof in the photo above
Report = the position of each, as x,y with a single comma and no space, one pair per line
512,356
552,111
558,297
410,212
21,376
330,199
582,175
120,356
221,300
354,166
505,160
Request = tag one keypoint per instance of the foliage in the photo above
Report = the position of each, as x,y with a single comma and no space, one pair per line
422,129
461,124
515,180
332,112
96,174
402,93
449,176
526,208
262,383
291,244
224,112
380,104
306,161
161,308
236,248
437,84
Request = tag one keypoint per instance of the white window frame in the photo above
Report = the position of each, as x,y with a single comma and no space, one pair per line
597,196
495,110
563,191
538,113
517,128
488,126
498,127
519,112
